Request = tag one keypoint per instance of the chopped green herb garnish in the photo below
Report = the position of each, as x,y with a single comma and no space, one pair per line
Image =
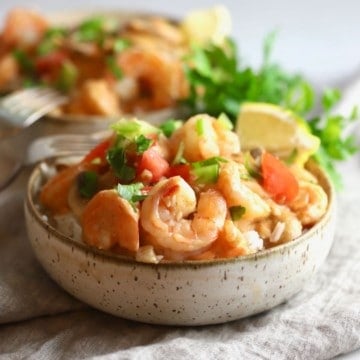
169,126
51,40
116,156
215,160
130,129
208,174
224,120
91,30
23,59
207,171
88,184
142,143
45,47
236,212
291,158
29,82
68,76
200,126
120,45
251,166
131,192
114,67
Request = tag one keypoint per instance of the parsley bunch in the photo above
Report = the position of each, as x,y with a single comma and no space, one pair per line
219,83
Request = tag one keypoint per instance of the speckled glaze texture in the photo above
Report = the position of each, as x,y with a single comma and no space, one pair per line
190,293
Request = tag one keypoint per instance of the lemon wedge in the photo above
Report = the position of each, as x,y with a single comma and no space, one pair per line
207,25
277,130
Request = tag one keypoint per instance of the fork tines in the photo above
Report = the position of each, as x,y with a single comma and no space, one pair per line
23,107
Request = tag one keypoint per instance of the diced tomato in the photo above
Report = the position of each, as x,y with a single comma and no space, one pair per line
98,152
50,62
182,170
277,179
152,161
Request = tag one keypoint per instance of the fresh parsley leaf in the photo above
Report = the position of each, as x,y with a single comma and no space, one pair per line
67,77
121,45
116,156
236,212
226,123
113,66
330,129
131,192
87,184
215,160
24,60
169,126
91,30
208,174
142,143
207,171
52,39
131,128
220,82
200,126
329,99
251,166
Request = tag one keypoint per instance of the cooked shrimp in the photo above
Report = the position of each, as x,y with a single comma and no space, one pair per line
310,204
95,97
231,242
237,193
204,137
23,27
54,194
165,216
110,220
228,141
9,71
280,227
159,77
155,27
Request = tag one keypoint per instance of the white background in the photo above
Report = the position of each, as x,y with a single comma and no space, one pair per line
319,38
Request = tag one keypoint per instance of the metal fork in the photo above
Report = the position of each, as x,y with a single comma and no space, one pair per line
52,146
62,145
22,108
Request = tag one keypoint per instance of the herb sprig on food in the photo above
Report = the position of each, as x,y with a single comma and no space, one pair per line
220,83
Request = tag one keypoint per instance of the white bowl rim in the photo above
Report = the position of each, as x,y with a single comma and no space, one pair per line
194,264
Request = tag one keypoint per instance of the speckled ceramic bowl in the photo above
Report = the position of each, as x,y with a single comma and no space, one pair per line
190,293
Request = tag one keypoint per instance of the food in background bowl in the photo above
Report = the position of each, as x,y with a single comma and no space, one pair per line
180,228
108,64
184,191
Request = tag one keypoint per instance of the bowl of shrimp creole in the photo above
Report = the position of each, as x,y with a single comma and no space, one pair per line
177,225
106,63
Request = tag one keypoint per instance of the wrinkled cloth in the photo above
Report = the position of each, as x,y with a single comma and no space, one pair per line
38,320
